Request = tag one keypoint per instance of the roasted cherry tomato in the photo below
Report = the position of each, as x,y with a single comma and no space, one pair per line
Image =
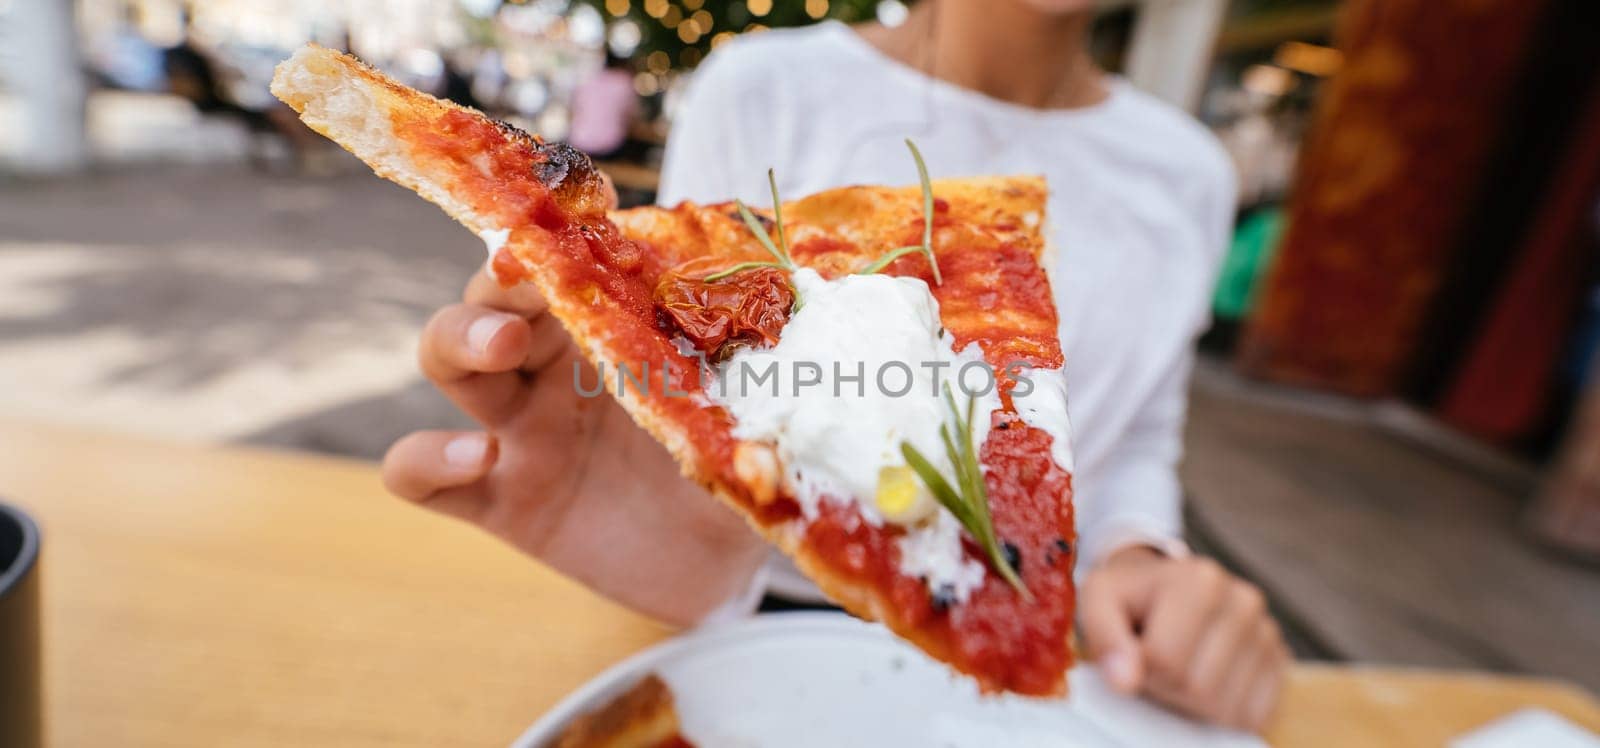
749,307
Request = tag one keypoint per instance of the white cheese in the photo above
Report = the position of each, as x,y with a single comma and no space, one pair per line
1045,408
834,432
933,551
493,240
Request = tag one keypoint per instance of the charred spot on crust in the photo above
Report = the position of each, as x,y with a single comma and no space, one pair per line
512,132
560,161
566,171
569,174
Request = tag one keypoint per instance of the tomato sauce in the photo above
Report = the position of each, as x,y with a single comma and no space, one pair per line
816,247
1009,643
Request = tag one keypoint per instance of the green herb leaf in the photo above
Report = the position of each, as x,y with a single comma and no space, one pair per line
720,274
968,500
779,251
926,248
937,485
761,234
777,217
927,210
888,257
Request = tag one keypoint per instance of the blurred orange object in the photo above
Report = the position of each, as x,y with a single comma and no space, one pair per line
1387,175
1501,389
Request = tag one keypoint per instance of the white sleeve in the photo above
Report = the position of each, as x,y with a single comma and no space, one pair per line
1138,498
705,144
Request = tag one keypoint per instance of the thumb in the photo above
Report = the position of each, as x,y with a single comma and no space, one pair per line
1108,614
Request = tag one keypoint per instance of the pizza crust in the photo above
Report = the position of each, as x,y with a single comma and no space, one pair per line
354,105
349,102
644,716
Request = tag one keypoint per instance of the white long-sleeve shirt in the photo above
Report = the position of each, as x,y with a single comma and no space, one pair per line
1141,204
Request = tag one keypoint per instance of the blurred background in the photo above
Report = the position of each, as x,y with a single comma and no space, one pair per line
1392,428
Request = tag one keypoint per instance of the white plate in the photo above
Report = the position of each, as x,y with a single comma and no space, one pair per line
826,679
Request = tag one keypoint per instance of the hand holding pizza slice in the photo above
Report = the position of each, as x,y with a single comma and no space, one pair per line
870,376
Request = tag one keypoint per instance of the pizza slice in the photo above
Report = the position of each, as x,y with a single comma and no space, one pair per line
871,376
643,716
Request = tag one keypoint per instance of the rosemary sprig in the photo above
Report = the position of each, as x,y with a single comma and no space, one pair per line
777,216
888,257
927,209
720,274
968,500
781,257
926,248
779,251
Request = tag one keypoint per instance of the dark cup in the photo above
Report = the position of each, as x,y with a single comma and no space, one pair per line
21,703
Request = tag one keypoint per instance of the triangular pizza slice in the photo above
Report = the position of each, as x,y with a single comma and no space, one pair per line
871,376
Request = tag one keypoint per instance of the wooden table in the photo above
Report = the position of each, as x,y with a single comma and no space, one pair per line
1358,533
201,596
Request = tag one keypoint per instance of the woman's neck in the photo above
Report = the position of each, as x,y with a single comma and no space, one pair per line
1001,49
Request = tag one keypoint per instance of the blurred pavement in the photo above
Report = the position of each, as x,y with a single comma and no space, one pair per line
224,304
125,127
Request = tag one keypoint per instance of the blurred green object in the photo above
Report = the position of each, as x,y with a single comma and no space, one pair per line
1253,244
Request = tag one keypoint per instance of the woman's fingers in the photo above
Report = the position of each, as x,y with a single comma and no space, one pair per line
1113,602
1230,642
1193,593
1265,692
1253,661
522,298
442,470
473,354
464,339
548,341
